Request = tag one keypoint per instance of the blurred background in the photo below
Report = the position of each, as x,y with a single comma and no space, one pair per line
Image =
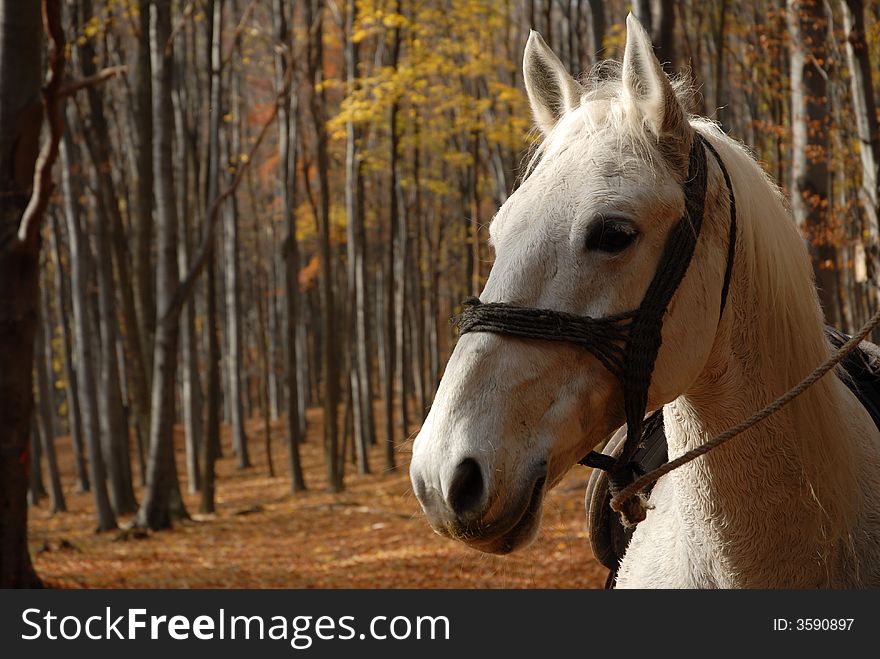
267,213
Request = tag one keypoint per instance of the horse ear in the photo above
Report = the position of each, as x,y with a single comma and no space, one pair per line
647,87
551,89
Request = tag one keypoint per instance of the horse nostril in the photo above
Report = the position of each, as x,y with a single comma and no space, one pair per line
466,489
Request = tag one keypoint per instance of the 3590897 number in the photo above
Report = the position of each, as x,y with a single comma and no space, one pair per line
823,624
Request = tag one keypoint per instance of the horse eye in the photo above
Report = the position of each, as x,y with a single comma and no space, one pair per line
610,235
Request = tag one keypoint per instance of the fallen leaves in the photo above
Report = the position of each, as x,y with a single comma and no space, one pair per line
372,535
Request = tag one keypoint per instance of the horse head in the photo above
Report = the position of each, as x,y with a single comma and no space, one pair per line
583,234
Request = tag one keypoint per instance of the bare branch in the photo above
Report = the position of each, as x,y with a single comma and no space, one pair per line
188,282
29,227
239,29
91,81
185,15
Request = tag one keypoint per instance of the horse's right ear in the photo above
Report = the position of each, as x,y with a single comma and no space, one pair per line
551,89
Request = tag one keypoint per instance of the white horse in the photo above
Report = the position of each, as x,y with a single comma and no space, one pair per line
795,501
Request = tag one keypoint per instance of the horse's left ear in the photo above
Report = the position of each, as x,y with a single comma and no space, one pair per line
551,89
648,88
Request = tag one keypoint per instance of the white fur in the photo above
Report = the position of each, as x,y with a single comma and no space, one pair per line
794,502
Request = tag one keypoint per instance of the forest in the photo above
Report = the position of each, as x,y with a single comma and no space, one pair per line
233,234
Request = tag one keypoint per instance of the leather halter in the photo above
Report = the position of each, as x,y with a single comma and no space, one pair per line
626,344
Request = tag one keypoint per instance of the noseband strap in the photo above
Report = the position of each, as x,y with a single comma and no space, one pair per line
626,344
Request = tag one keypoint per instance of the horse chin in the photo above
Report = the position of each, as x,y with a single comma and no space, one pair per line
516,528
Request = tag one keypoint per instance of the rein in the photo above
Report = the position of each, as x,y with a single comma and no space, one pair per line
626,344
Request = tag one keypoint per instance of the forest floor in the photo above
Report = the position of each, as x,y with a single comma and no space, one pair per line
372,535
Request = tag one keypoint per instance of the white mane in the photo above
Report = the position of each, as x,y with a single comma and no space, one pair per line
789,330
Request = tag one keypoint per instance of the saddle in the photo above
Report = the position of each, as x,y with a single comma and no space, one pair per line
860,371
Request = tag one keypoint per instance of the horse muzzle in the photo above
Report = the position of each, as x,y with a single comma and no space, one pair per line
496,522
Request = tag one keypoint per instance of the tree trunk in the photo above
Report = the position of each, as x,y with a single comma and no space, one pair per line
391,298
191,388
663,34
231,270
720,40
416,277
808,26
43,367
20,121
865,110
329,366
114,430
211,443
142,106
62,294
36,488
260,295
360,394
162,492
287,150
598,23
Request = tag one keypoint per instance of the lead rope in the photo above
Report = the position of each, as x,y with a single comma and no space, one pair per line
633,492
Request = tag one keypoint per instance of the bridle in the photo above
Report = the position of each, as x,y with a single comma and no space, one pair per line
626,344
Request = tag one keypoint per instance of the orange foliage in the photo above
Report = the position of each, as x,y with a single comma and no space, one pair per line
309,274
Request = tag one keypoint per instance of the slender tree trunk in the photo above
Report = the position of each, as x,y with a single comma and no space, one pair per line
162,492
401,355
598,23
114,431
231,270
720,41
329,365
865,110
642,11
142,105
287,147
211,443
62,293
361,319
45,422
808,26
36,488
476,242
663,34
353,202
191,389
262,337
390,298
417,314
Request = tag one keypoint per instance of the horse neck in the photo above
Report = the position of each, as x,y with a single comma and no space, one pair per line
788,484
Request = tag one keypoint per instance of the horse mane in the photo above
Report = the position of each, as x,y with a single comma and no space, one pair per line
790,329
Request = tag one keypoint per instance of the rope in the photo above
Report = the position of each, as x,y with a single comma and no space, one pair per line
601,336
628,497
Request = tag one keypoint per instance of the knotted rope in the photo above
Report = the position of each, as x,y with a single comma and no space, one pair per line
601,336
